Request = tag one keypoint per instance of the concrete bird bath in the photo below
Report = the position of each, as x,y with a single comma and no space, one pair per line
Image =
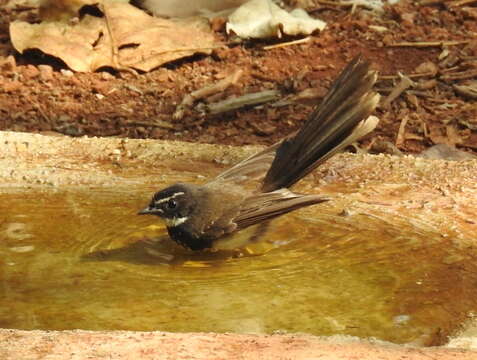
387,268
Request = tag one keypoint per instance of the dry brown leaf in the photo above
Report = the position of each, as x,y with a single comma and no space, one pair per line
124,38
54,10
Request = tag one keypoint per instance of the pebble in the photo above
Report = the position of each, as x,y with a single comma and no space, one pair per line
67,73
46,72
9,64
11,86
106,76
69,129
30,72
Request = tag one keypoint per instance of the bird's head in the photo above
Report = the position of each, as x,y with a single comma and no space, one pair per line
174,204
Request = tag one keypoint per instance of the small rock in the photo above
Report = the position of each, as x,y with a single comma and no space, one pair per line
64,118
30,72
8,64
67,73
427,67
218,23
140,130
163,75
408,18
11,86
100,87
70,130
46,72
221,53
263,129
446,152
106,76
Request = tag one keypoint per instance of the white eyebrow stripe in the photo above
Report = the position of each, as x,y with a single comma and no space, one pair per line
168,198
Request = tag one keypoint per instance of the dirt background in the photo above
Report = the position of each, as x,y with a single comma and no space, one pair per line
38,93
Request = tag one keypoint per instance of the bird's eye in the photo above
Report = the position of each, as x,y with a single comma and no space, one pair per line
171,204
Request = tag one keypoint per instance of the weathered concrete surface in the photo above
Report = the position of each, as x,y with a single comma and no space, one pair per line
432,195
80,344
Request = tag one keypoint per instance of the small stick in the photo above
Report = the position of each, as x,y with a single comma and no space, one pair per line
431,2
351,3
467,90
160,124
428,43
288,43
460,75
401,132
411,76
461,3
206,91
40,110
241,101
398,90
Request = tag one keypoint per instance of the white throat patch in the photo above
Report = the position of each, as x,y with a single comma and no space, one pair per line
176,221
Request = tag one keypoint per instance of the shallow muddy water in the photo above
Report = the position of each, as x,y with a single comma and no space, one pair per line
82,258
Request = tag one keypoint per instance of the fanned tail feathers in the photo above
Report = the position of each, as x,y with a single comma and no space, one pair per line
341,118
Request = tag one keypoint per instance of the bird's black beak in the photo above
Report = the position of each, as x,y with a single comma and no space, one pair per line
146,211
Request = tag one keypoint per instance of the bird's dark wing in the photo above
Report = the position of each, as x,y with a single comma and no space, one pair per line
252,168
266,206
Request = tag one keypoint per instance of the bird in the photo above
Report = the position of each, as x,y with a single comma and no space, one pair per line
257,189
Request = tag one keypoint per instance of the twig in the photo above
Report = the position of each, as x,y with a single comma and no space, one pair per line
401,131
351,3
405,83
288,43
428,43
307,94
431,2
411,76
158,123
40,110
461,3
467,90
460,75
206,91
242,101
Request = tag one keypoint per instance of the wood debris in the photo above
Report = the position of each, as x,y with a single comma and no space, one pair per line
428,43
400,138
251,99
468,90
206,91
402,86
288,43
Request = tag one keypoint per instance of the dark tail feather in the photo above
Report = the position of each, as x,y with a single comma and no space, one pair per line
341,119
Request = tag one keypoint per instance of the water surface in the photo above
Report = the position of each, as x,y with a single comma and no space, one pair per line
81,258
